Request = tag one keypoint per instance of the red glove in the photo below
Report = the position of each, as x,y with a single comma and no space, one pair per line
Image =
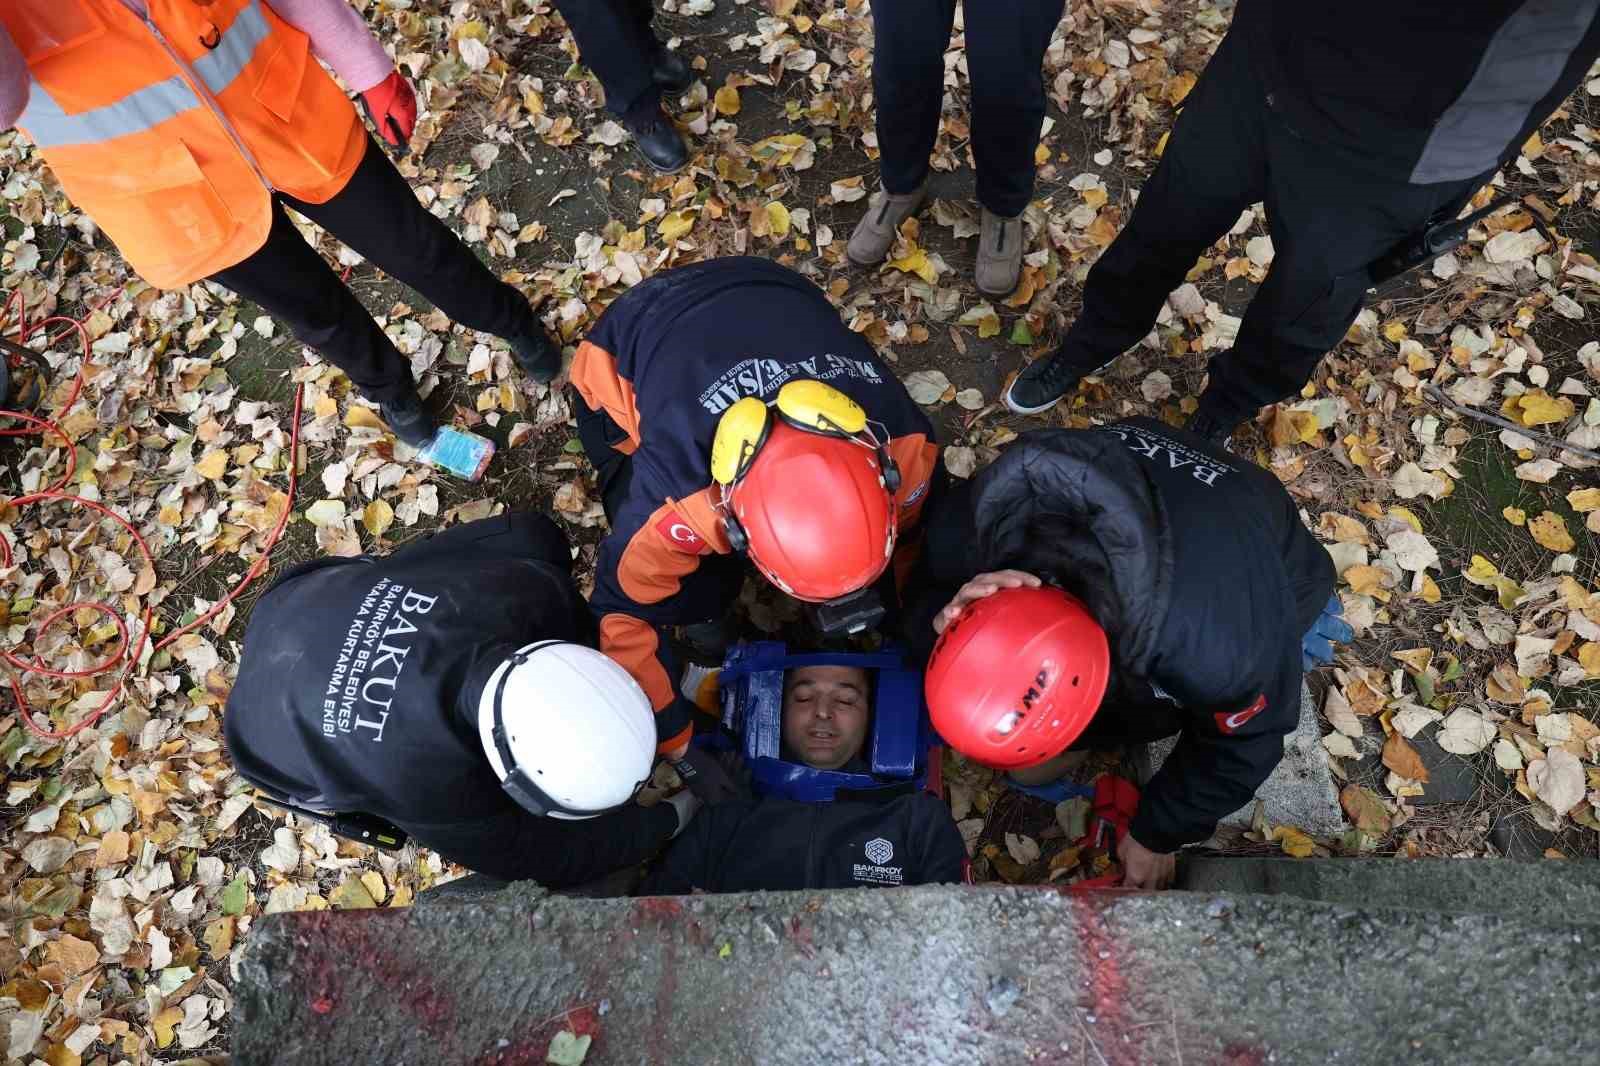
392,107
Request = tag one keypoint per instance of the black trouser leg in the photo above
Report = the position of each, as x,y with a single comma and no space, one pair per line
1005,56
909,41
1328,225
1213,168
378,215
613,470
293,283
615,41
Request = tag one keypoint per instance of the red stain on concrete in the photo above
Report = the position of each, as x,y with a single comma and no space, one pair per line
350,948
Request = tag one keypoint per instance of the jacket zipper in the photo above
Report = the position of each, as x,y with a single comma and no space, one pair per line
205,97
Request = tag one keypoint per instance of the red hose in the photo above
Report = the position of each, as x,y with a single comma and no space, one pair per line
35,424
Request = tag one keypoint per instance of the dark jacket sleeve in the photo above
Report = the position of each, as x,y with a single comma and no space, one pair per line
518,846
1213,772
693,860
941,856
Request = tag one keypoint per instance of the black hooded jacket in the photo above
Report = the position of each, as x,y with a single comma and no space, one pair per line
1199,568
358,690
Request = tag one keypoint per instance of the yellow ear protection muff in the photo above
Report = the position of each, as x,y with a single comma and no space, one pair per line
805,404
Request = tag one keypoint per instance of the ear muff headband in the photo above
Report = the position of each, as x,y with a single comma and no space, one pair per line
809,405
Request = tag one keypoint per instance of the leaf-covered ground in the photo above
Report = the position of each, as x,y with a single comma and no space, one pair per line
133,863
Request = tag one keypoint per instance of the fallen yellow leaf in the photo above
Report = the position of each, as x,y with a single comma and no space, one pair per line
1429,591
213,464
675,224
1515,515
1538,408
165,1025
1583,500
378,517
917,263
1365,580
1293,842
1394,331
219,937
1550,530
778,217
1589,658
727,100
358,417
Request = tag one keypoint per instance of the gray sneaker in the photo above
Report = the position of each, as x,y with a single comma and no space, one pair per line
1000,242
875,233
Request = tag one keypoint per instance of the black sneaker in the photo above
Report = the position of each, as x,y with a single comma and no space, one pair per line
670,70
408,420
1214,426
536,354
1043,382
660,143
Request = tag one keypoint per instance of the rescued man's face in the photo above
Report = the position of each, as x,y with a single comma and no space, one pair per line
825,713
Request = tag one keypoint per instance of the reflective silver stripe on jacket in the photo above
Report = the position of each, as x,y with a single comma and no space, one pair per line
1522,63
51,127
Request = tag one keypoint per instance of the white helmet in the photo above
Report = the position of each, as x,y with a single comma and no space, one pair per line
567,731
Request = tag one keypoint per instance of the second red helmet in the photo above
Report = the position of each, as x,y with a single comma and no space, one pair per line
1017,676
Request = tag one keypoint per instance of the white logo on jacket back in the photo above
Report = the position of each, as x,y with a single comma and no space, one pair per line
879,851
763,377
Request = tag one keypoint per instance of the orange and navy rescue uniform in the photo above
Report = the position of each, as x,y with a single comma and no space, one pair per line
662,364
172,131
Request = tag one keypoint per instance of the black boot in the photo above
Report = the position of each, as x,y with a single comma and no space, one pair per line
1215,424
670,70
660,142
536,354
408,420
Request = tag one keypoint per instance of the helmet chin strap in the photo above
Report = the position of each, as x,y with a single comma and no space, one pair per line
517,782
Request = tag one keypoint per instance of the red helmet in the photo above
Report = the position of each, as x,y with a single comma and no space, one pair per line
1016,677
816,517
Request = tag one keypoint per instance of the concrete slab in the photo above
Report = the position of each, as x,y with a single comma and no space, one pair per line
1559,891
1301,791
949,974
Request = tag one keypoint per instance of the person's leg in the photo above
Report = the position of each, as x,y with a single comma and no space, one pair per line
1328,225
294,284
378,215
1213,168
1005,57
910,37
619,46
613,469
1005,49
909,42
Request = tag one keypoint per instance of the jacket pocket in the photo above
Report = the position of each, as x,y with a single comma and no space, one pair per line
278,90
159,207
43,30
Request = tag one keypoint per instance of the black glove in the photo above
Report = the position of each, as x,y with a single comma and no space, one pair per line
705,776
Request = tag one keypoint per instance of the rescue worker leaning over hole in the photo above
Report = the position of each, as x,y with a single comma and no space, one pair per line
820,468
452,688
184,128
1189,600
899,836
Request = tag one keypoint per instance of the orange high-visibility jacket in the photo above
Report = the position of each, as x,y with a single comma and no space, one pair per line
172,131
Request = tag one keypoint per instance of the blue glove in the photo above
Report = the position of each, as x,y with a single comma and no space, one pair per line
1330,628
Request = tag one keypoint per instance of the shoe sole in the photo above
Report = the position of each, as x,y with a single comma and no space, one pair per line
651,163
1001,292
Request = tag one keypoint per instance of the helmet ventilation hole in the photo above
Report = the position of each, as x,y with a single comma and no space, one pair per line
1074,680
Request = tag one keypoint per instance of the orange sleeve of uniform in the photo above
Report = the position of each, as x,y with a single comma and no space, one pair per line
918,458
633,643
594,375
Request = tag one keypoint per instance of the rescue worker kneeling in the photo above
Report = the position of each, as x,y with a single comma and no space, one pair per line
728,410
1184,580
452,689
748,843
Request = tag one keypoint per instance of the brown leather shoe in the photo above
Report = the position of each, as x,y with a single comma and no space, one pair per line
1000,243
874,234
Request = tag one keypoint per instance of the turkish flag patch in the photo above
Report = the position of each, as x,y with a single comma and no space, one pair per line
1232,722
678,533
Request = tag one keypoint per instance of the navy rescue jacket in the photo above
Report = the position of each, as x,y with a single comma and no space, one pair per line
659,368
1198,567
773,843
358,690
